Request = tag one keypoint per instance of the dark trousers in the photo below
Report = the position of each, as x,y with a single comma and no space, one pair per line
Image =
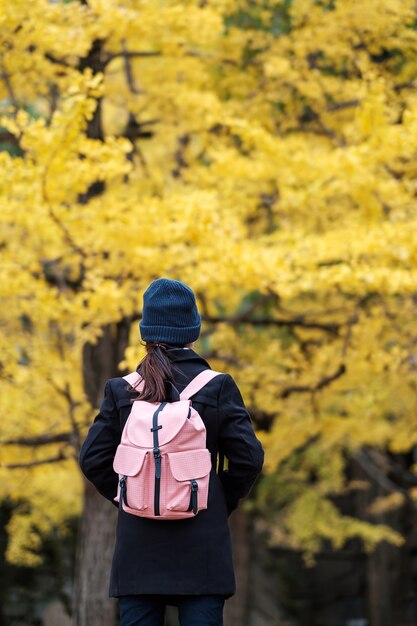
150,610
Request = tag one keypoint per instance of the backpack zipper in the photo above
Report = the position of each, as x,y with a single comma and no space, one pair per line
193,497
157,457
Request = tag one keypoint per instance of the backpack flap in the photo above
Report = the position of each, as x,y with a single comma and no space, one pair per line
128,461
170,421
190,464
189,485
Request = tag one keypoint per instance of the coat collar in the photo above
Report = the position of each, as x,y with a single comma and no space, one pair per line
179,355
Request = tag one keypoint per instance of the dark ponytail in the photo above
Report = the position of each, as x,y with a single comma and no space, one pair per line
156,369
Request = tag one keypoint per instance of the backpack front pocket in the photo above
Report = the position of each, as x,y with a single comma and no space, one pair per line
133,466
187,480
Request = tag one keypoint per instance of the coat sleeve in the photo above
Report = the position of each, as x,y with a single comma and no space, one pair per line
99,448
237,441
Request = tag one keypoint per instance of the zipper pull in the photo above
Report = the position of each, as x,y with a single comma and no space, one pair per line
157,457
193,498
122,495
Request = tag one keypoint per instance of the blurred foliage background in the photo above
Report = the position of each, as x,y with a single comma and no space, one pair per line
263,152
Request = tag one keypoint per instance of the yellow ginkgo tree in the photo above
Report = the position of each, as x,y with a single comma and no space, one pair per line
265,154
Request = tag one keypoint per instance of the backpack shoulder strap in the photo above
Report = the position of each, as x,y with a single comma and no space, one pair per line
198,383
134,378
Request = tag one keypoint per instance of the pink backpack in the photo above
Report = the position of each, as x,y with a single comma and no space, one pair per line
162,459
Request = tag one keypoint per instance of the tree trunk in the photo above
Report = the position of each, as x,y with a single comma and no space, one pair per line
383,571
263,600
236,610
383,564
91,606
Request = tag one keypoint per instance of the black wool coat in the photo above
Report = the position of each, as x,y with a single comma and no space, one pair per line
190,556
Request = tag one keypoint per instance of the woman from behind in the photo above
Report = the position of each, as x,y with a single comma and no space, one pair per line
182,562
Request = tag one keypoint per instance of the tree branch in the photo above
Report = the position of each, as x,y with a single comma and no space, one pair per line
5,136
40,440
128,71
336,106
353,320
373,471
324,382
130,55
75,437
56,61
296,321
6,78
67,235
404,85
51,459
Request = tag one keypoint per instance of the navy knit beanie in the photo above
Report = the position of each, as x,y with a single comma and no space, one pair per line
170,313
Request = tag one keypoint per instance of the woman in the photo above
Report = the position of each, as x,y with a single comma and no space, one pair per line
187,562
